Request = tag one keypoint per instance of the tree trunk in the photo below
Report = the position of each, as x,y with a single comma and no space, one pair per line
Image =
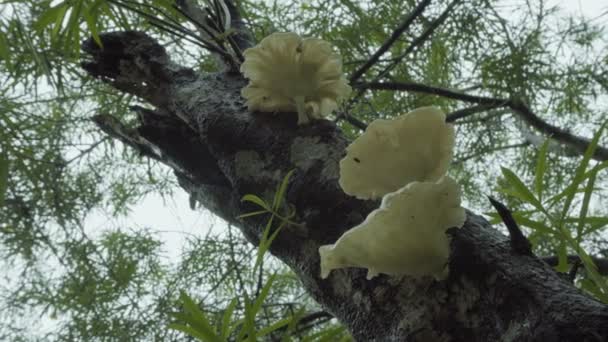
220,151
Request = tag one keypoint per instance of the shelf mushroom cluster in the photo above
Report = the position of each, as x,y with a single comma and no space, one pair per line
288,73
404,161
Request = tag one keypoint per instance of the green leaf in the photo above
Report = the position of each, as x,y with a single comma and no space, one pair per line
72,38
594,170
595,224
90,17
597,168
523,218
259,301
535,225
591,268
5,52
585,208
188,330
562,257
255,199
328,335
541,167
59,22
266,241
590,286
248,327
274,326
3,177
280,193
580,172
53,14
519,189
295,319
253,213
227,326
196,318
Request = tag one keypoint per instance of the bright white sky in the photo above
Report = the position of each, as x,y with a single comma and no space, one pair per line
589,8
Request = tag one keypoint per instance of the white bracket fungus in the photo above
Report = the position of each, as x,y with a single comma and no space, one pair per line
416,146
405,236
287,73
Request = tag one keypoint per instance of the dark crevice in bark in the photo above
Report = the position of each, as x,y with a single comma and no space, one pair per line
491,294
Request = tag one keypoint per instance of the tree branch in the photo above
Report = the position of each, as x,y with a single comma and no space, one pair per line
243,37
422,88
466,112
352,120
579,144
415,43
428,32
601,263
210,31
522,110
499,148
407,22
169,25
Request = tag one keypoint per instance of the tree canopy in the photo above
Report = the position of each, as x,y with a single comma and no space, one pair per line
525,84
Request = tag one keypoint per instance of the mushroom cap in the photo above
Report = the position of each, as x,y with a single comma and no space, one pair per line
405,236
416,146
287,73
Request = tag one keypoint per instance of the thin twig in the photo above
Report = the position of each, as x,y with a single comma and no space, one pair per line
579,144
173,29
443,92
574,270
180,35
493,114
320,316
601,263
89,149
522,110
219,46
243,37
499,148
407,22
420,39
465,112
351,120
415,43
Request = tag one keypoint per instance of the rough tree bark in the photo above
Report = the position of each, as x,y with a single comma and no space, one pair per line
199,125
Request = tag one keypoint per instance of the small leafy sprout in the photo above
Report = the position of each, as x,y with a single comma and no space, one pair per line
194,322
275,213
555,211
